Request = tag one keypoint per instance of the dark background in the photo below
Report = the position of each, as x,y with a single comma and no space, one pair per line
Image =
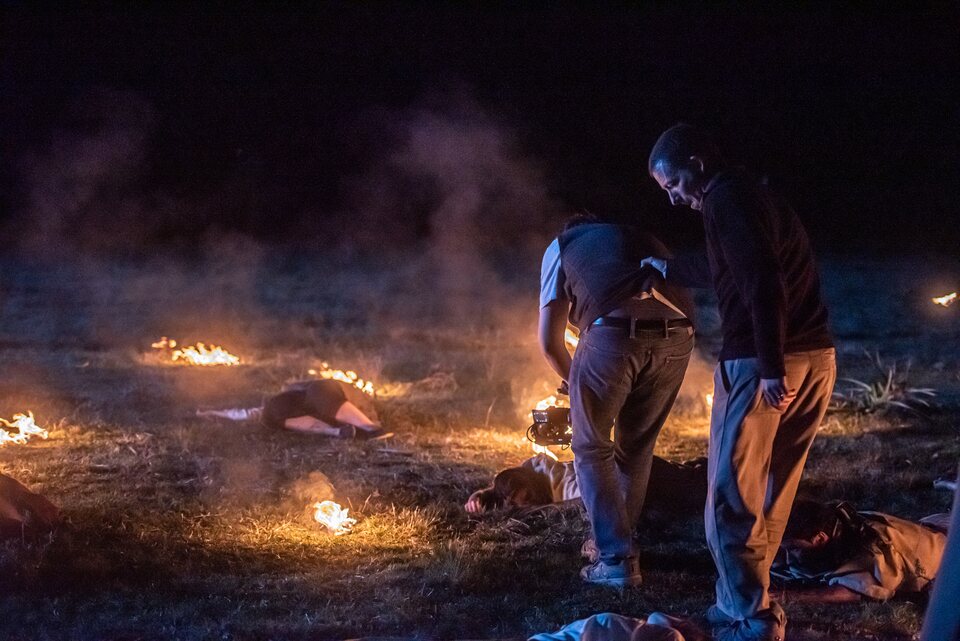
259,120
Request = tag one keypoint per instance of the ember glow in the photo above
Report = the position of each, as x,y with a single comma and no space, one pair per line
945,301
708,398
571,339
199,354
349,377
333,517
25,428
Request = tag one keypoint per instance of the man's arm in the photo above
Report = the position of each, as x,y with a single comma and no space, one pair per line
553,322
687,270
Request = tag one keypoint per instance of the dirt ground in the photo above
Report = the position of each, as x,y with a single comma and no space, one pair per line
182,528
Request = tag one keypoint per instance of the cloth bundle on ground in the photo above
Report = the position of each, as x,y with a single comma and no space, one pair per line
873,554
24,511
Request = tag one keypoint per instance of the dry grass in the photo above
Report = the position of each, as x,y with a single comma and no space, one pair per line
187,529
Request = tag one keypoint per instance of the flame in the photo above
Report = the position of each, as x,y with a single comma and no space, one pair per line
199,354
333,517
551,401
349,377
164,343
543,449
571,339
708,397
945,301
26,429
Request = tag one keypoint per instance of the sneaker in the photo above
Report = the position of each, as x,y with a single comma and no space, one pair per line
769,625
625,573
589,550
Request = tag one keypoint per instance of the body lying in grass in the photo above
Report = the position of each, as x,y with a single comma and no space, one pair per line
850,554
325,407
673,489
23,511
616,627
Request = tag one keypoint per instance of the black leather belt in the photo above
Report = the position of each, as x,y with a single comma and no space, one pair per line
641,325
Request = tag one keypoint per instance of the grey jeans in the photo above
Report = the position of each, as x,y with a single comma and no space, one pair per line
755,460
629,385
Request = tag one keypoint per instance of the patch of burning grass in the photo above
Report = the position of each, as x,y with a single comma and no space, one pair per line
178,528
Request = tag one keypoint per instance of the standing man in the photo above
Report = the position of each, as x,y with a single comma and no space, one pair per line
635,341
776,371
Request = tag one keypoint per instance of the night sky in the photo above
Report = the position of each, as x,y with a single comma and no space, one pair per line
263,120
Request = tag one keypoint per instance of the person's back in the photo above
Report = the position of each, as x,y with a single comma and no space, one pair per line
601,272
761,238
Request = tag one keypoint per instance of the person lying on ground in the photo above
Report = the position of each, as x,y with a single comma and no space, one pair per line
325,407
616,627
871,554
674,489
23,511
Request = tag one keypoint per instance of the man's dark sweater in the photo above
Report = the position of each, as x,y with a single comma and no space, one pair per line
762,268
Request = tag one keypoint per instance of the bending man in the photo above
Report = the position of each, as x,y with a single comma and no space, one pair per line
635,341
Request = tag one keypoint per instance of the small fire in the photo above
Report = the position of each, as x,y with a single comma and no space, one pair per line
571,339
333,517
199,354
708,397
945,301
349,377
551,401
543,449
26,429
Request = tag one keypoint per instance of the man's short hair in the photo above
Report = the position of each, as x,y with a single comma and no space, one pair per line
809,517
581,218
511,481
679,142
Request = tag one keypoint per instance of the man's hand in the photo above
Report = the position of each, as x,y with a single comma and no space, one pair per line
776,394
658,264
473,505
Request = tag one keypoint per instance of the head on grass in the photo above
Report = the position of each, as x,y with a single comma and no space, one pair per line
820,536
683,161
512,487
522,487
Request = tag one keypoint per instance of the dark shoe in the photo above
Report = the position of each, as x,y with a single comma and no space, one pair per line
345,430
625,573
377,434
589,550
716,616
769,625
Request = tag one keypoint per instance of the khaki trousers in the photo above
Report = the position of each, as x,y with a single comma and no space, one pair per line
755,459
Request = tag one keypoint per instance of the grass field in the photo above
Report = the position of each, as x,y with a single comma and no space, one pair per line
179,528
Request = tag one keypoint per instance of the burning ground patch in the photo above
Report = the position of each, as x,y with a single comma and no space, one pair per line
181,527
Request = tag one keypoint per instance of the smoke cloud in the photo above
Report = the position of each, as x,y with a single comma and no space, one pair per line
82,184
